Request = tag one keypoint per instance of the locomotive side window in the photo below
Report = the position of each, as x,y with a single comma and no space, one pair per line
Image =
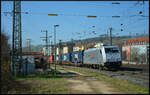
111,50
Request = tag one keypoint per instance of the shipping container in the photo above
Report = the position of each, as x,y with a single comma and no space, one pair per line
66,57
78,48
78,55
57,51
30,58
65,50
33,53
75,49
30,68
51,59
57,57
47,51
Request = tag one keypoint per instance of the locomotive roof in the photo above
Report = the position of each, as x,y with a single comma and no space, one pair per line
91,49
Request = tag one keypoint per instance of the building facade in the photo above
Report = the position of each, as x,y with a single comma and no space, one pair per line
135,50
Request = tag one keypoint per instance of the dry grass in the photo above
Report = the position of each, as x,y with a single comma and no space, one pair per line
122,85
44,84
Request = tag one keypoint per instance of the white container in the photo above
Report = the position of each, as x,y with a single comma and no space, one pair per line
57,51
65,50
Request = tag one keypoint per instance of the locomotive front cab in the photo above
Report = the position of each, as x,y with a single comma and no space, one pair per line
112,55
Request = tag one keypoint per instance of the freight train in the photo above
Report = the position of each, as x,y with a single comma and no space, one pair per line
101,57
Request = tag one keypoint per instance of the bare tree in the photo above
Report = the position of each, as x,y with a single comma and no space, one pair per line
5,47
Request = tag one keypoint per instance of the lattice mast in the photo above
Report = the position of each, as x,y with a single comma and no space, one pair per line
17,37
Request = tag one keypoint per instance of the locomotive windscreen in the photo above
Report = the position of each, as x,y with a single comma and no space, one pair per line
111,50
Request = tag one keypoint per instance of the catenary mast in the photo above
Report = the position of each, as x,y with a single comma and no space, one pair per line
16,38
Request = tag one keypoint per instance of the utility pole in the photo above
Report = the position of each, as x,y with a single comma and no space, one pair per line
29,50
107,34
52,53
49,50
16,38
55,46
46,38
29,44
110,36
49,46
46,41
60,52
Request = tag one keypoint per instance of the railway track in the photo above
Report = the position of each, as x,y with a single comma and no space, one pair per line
136,75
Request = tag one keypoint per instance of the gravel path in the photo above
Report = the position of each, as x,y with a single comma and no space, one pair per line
136,76
82,84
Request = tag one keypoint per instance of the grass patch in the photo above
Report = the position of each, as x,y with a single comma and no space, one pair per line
43,76
43,84
40,75
35,84
7,82
122,85
53,71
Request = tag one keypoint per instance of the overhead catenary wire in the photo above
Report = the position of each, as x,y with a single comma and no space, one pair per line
129,9
113,16
82,15
138,19
135,21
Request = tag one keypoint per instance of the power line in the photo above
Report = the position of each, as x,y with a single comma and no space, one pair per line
130,8
133,23
32,13
94,15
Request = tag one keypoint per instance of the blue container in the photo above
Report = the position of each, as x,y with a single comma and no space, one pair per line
66,57
30,68
77,56
57,57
